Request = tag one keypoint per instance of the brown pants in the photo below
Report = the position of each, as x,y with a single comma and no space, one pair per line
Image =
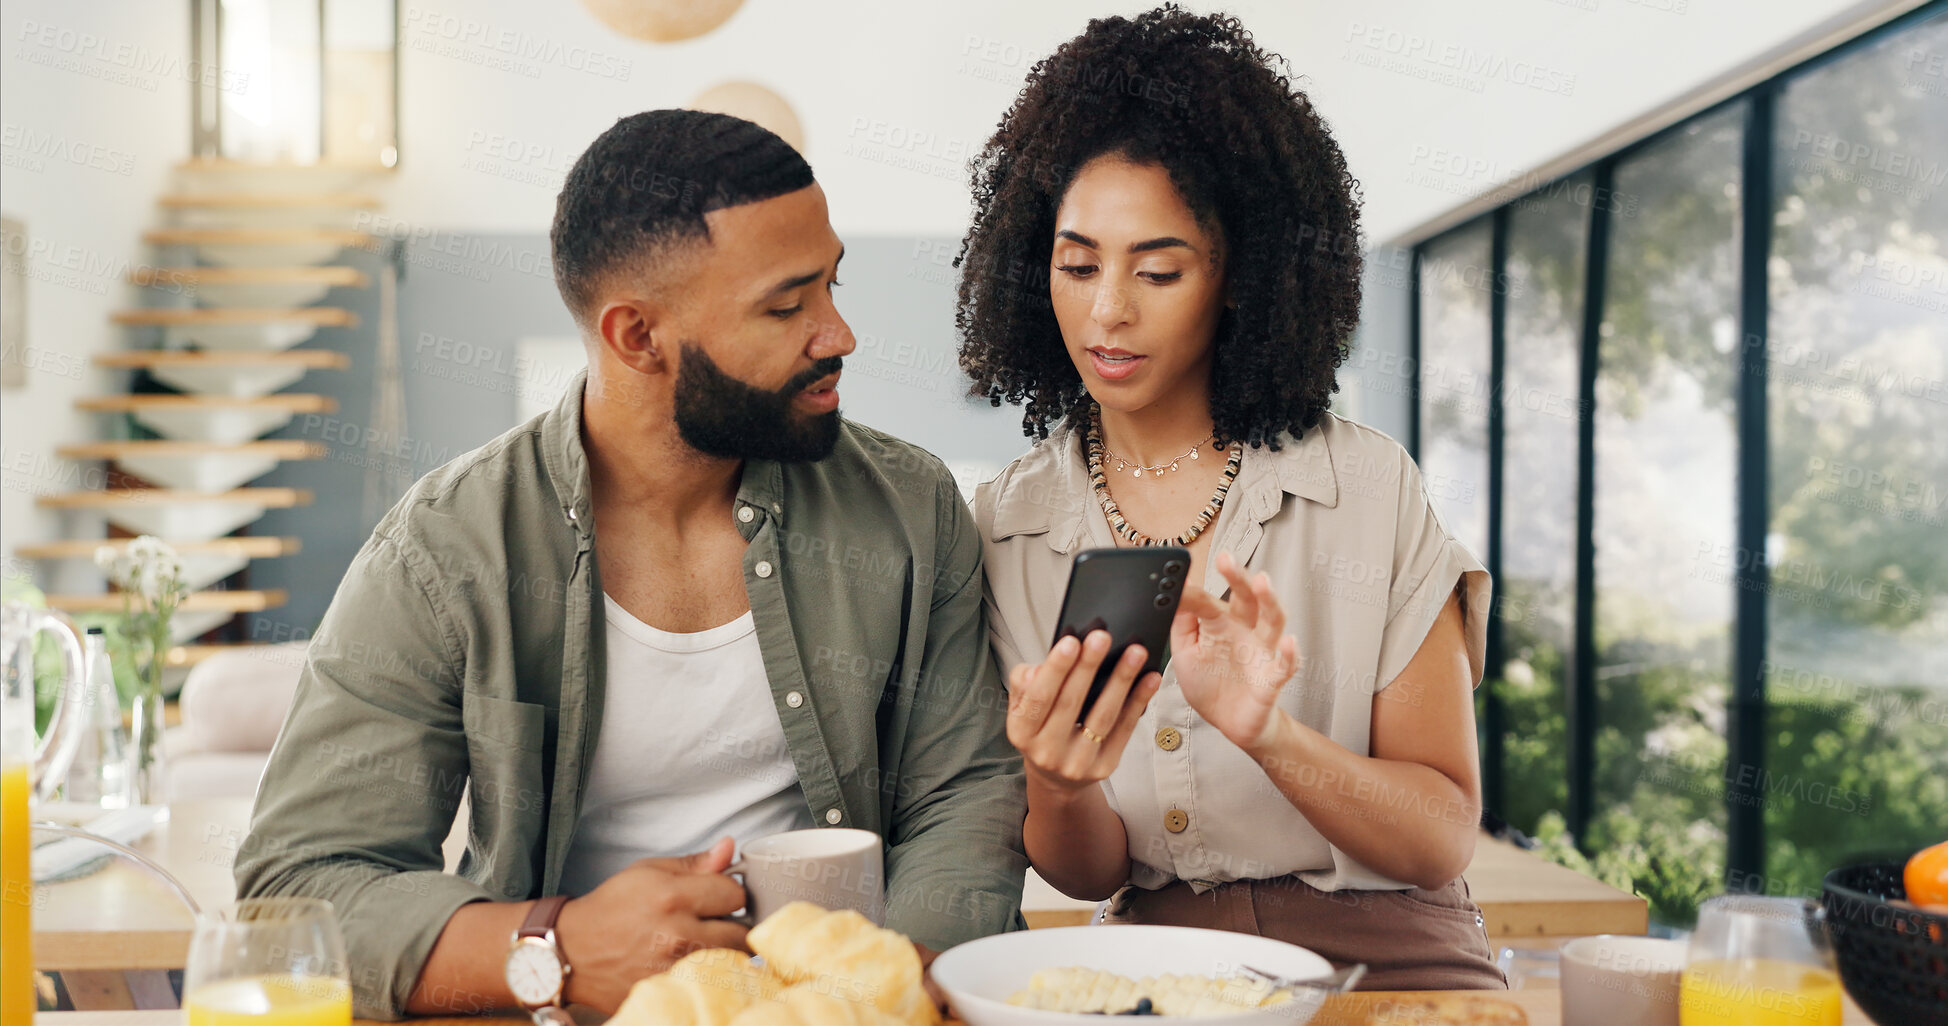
1410,940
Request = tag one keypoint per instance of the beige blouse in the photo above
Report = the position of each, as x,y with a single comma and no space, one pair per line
1362,565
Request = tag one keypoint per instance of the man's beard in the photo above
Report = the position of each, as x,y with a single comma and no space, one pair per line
718,415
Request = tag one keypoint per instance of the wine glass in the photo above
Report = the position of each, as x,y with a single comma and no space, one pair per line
1759,961
267,962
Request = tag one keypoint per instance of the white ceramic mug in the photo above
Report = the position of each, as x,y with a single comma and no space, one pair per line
1609,980
831,867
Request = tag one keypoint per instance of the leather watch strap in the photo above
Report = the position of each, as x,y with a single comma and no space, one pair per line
541,919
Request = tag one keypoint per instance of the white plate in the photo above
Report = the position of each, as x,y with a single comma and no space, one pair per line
979,976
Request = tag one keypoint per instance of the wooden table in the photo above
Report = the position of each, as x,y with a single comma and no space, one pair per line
1521,894
1371,1008
122,918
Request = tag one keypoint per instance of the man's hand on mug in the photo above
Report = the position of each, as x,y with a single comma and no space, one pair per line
1045,698
641,920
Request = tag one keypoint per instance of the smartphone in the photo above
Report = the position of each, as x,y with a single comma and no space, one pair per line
1132,594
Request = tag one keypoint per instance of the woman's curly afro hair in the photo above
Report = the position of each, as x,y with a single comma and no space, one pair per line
1253,161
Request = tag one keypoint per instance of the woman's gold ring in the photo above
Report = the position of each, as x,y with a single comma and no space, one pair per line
1093,736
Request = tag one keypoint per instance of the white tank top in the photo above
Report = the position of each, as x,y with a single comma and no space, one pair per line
690,750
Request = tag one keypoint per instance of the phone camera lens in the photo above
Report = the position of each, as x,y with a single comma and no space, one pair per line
1173,568
1163,601
1169,584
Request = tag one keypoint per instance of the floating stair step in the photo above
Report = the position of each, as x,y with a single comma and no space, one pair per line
251,286
314,168
232,247
255,329
268,200
287,401
329,275
220,419
268,498
196,466
267,209
204,562
251,547
150,359
171,316
180,513
195,602
255,236
276,448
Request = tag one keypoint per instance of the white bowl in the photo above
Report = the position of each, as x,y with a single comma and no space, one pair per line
979,976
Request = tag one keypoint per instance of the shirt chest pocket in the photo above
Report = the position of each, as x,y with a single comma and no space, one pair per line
494,722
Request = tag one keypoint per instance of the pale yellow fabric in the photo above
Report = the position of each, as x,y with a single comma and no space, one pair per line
1362,565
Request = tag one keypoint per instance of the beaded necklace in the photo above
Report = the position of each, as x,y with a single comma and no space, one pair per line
1099,480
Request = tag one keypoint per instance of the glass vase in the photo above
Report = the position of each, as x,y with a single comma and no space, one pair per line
148,766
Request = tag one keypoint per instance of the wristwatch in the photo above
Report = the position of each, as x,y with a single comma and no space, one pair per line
536,971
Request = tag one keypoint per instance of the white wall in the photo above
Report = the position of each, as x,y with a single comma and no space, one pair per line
894,97
94,109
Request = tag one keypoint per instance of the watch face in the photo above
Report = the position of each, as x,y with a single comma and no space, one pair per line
533,973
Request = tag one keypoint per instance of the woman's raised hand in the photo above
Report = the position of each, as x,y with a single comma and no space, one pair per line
1045,699
1232,658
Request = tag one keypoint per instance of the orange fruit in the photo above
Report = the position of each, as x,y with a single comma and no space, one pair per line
1927,876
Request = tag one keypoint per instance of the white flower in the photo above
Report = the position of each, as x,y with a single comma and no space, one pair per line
109,559
149,567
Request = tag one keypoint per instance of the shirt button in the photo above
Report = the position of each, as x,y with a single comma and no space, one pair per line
1170,739
1176,820
833,816
778,508
794,699
746,514
763,569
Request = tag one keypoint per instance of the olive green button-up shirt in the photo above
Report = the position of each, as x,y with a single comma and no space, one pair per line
463,655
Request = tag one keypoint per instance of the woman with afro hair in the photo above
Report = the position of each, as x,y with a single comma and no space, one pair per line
1163,272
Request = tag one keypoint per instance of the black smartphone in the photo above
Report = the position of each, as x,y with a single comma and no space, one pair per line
1132,594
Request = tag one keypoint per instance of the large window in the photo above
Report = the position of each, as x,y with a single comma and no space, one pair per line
1542,357
1723,353
1856,355
1455,285
1666,502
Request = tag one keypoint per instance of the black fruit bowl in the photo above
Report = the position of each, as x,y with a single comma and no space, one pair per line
1893,958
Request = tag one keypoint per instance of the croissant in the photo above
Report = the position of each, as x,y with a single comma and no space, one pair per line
846,956
805,1004
705,988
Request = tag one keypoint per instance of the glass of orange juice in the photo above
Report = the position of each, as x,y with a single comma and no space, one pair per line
267,962
1759,961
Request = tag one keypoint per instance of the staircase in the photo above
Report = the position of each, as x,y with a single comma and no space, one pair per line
245,253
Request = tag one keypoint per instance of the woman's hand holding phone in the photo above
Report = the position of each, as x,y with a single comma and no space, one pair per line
1045,698
1233,658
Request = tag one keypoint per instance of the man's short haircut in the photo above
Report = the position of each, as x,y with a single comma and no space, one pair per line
648,181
